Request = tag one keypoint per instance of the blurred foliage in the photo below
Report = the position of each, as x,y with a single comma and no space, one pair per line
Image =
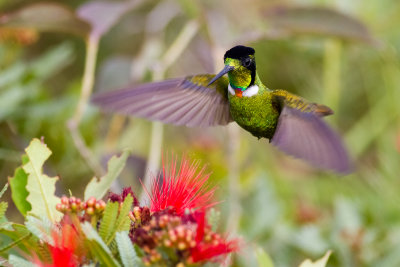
341,53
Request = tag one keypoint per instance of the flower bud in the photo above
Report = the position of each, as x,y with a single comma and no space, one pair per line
136,211
180,231
59,207
172,236
132,216
91,201
181,246
72,200
167,243
102,204
90,211
73,206
64,200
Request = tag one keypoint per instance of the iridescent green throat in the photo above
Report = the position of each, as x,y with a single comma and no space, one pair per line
240,78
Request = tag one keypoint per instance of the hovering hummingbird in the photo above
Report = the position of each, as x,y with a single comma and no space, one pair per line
290,122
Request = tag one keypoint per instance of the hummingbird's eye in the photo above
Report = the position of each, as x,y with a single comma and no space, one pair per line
247,62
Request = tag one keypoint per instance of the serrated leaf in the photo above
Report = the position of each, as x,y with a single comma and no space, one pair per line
3,208
20,237
4,223
319,263
48,17
97,246
317,20
123,221
263,259
109,217
126,251
103,15
3,190
15,242
41,187
116,219
20,262
98,187
18,190
42,229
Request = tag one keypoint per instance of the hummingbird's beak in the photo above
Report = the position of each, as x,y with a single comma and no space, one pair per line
224,71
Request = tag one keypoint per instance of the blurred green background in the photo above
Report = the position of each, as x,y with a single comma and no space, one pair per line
344,54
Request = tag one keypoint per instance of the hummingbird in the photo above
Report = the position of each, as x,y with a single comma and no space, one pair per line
290,122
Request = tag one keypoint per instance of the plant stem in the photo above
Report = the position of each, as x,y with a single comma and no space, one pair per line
92,45
93,221
170,56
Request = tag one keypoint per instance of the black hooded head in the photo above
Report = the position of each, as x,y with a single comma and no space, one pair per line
245,55
239,52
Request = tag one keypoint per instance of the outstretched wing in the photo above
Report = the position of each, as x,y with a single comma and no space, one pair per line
305,135
188,101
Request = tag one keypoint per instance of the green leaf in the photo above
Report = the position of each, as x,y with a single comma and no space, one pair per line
319,263
41,188
4,223
109,217
53,61
97,246
11,99
15,242
3,190
263,259
48,17
20,262
3,208
98,188
13,74
20,237
18,190
42,229
125,248
123,222
115,219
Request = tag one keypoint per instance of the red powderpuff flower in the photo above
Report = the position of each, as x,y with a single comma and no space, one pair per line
64,248
210,246
180,190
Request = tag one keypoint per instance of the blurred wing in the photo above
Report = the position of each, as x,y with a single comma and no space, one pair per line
283,97
188,101
306,136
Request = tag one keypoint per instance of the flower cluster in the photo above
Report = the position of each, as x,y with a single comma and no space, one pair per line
177,224
172,230
76,205
188,237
